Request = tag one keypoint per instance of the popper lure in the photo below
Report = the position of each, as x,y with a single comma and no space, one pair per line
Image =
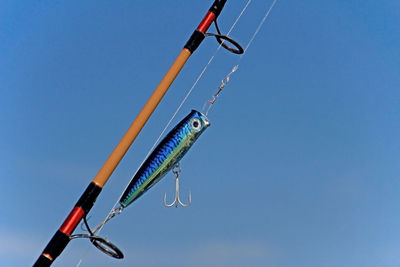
165,156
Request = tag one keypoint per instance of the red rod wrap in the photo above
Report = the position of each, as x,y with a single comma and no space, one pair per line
72,221
206,22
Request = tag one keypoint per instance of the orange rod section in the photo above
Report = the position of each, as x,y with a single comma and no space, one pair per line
111,163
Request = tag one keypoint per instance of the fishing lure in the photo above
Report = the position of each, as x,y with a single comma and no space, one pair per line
165,156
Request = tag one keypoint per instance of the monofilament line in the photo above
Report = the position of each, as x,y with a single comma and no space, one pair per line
259,27
226,79
100,226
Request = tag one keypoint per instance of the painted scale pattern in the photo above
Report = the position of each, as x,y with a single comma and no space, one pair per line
165,156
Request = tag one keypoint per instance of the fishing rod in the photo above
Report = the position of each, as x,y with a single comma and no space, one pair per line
166,156
61,238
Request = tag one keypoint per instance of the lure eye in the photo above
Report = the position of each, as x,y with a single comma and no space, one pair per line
195,124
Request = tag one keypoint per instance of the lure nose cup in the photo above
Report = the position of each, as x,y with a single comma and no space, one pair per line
206,122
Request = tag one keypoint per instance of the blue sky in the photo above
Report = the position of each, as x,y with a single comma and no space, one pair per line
301,163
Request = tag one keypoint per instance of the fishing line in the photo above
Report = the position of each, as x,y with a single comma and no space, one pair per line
226,79
105,245
117,210
115,252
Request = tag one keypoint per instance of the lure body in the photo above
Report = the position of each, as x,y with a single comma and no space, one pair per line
165,156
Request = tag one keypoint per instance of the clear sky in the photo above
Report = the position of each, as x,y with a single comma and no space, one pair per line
301,163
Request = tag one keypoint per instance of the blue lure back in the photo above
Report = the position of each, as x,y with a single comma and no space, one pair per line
165,156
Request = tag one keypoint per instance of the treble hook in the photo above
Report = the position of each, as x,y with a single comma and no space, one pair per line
177,201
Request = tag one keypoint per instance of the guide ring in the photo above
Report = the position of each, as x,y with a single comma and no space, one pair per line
223,39
107,247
